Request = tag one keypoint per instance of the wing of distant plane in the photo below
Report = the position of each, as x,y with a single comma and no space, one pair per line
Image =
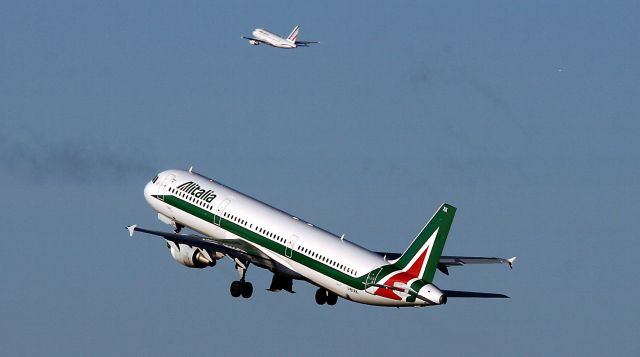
447,261
255,40
232,248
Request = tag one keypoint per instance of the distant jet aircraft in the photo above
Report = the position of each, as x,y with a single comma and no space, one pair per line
251,232
270,38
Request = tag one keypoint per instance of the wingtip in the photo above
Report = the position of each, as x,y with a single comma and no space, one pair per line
131,229
511,261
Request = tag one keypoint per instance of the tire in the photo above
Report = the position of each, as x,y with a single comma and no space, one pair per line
321,297
247,290
235,289
332,298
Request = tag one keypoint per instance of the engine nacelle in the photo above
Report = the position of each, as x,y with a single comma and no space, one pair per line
193,257
254,42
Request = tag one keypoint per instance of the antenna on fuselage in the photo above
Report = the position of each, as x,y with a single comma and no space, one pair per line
342,236
190,169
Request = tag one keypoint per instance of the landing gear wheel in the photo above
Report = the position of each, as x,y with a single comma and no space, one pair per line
332,298
247,290
321,296
177,228
235,289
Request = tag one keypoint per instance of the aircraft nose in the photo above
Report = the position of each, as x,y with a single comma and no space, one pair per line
148,191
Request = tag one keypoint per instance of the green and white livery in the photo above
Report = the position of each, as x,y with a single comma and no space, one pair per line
251,232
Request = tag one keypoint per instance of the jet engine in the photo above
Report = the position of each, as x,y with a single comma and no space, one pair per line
193,257
254,42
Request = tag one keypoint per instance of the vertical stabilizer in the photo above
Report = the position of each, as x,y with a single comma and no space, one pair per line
422,257
294,34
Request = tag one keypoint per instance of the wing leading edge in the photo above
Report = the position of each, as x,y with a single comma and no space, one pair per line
232,248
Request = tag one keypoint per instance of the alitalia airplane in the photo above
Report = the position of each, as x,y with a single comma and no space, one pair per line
248,231
270,38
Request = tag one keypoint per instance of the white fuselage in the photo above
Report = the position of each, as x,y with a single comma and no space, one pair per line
318,256
272,39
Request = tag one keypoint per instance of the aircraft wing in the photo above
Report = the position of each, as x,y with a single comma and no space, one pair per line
447,260
232,248
253,39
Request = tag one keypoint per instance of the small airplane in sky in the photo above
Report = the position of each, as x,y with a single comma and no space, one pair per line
269,38
248,231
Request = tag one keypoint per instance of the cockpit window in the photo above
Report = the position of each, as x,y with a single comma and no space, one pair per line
155,179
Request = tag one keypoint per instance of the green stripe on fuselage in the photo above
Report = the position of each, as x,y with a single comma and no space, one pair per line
264,242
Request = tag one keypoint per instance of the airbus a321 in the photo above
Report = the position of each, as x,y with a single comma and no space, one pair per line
251,232
269,38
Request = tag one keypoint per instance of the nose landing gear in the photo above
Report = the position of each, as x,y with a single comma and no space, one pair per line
177,227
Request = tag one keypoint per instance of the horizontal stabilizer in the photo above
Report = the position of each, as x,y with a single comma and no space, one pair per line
472,294
460,260
447,261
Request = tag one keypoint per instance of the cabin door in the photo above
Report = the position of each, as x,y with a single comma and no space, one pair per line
218,216
288,249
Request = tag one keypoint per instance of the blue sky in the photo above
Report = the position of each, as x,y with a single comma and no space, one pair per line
523,115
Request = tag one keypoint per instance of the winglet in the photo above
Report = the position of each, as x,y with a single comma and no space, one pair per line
131,228
510,261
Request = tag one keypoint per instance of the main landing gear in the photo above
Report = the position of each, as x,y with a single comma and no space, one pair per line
326,297
241,287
